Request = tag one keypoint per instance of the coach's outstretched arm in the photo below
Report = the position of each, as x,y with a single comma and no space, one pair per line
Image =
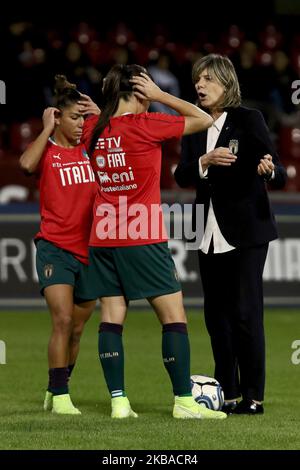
30,159
196,120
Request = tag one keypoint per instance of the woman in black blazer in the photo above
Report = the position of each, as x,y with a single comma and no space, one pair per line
229,165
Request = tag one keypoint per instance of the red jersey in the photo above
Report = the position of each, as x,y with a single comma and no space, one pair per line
67,192
127,164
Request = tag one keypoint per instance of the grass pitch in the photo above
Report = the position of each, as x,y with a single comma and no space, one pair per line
24,425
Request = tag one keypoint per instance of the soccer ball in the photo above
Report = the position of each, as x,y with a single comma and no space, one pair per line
207,391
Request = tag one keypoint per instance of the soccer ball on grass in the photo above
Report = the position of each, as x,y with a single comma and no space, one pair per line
207,391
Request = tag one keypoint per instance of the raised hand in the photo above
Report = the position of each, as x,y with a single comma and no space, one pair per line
145,88
49,118
87,105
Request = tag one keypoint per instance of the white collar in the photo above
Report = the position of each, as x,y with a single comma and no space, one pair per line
219,123
52,141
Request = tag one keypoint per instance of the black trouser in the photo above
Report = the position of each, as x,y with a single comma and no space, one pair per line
233,310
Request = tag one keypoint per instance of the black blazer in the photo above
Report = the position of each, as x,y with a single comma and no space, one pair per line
238,193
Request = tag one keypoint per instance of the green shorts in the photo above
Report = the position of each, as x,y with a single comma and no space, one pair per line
57,266
135,272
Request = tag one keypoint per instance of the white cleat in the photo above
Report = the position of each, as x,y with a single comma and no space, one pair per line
185,407
120,408
62,405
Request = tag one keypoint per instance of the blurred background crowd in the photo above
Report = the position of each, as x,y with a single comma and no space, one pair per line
264,50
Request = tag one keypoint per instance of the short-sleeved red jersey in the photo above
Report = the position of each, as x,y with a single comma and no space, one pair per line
67,192
127,165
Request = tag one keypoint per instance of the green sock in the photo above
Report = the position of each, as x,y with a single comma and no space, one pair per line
176,357
111,354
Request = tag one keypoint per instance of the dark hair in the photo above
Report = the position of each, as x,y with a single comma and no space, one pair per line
66,93
115,85
223,71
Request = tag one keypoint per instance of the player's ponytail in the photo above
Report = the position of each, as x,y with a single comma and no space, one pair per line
66,93
115,85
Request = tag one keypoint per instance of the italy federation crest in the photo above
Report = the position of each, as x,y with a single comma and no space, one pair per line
233,146
48,270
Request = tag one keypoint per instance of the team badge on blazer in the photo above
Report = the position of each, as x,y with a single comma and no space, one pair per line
48,270
233,146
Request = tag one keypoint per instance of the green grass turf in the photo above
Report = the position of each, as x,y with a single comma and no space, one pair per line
23,424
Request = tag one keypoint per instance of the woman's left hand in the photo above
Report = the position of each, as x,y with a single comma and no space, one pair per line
88,106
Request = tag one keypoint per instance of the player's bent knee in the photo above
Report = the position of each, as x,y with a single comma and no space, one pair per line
63,323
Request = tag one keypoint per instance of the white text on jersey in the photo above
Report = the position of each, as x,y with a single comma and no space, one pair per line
109,143
76,175
116,159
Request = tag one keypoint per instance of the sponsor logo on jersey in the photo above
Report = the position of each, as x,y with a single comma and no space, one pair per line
104,178
123,177
57,156
100,160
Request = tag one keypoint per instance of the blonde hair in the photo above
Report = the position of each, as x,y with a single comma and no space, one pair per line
222,69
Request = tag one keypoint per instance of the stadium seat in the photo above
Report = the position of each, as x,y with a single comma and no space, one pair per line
293,171
289,143
14,184
271,38
23,133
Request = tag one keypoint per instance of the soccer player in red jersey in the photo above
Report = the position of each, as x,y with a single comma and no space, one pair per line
67,193
129,254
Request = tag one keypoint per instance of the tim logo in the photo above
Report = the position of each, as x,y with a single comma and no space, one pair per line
2,92
2,352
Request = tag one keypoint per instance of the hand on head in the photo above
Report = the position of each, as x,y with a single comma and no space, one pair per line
87,105
49,116
145,88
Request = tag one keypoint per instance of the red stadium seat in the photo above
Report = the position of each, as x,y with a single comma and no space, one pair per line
289,143
293,172
14,181
271,38
22,134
